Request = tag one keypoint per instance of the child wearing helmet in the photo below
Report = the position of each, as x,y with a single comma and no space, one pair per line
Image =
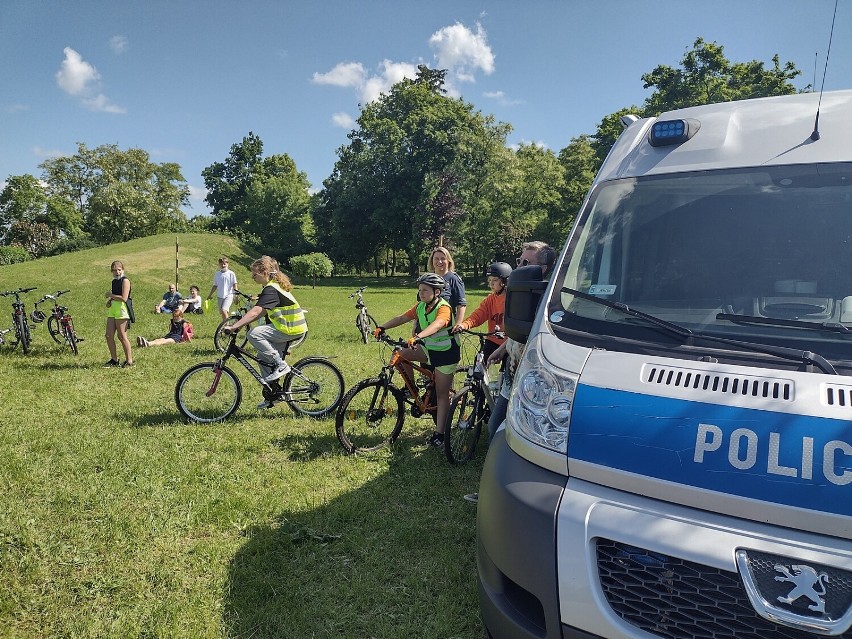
491,308
432,343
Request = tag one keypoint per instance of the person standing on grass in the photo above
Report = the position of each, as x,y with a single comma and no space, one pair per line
441,263
118,317
285,320
224,283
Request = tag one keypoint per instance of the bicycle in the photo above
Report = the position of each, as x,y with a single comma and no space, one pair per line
372,413
211,392
219,339
19,319
470,407
60,324
364,321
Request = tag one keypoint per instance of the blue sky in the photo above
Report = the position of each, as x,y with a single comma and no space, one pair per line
185,80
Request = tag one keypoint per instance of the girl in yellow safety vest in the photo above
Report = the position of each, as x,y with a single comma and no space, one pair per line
439,349
285,320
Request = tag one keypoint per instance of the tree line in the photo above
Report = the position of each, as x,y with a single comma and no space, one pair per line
419,168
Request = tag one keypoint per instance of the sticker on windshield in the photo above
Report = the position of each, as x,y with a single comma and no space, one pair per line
602,289
556,317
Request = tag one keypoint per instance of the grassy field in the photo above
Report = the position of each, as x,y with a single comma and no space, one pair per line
120,520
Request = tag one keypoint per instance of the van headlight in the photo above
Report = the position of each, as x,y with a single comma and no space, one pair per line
541,401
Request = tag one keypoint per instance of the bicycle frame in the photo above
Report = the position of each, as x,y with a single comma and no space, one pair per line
477,373
397,363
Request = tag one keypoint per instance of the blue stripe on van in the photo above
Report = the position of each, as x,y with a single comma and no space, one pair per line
795,460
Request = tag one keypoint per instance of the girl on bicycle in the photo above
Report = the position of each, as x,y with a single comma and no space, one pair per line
118,317
432,316
285,320
491,308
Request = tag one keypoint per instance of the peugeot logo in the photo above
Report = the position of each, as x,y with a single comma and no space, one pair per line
808,596
804,580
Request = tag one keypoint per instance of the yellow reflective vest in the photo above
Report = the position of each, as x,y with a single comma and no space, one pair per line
289,319
443,339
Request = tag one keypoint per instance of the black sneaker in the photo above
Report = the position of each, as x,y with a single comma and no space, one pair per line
128,364
113,363
436,439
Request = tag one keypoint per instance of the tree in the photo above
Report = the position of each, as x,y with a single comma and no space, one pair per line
312,266
228,182
113,195
397,185
23,199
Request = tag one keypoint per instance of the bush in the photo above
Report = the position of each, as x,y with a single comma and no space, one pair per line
312,266
71,244
13,255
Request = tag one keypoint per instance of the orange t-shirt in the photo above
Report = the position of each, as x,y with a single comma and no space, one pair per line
491,309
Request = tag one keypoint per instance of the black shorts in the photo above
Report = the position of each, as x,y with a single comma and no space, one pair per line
445,358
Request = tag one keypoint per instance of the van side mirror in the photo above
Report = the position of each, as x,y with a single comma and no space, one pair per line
523,294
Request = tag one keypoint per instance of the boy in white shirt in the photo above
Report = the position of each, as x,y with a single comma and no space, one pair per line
224,283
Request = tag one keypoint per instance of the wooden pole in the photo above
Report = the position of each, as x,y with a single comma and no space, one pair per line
177,262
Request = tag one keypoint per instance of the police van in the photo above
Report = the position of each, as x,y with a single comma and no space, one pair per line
676,460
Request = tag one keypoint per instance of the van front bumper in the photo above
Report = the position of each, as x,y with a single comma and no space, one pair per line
516,547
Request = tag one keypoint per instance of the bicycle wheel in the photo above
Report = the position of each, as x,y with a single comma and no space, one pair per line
54,329
207,393
464,424
314,387
70,337
366,325
370,416
221,341
23,332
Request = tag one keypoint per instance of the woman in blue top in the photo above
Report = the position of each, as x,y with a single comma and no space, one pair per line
441,263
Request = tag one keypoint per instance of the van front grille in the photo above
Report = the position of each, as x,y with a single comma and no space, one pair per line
676,599
698,382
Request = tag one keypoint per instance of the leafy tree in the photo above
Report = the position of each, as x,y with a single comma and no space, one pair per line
398,184
22,199
13,255
228,182
114,195
312,266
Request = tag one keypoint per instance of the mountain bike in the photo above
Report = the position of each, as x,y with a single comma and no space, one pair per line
212,392
60,324
220,340
371,414
19,318
470,407
363,320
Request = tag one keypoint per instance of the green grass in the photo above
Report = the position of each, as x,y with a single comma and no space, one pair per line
118,519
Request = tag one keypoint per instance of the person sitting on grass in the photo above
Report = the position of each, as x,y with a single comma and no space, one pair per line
171,301
174,336
192,304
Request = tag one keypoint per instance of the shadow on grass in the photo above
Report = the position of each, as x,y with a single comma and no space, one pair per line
306,447
171,417
392,556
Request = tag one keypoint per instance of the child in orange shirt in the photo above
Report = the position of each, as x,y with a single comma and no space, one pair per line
491,308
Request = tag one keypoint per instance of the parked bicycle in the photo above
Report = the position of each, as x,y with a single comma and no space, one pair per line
60,324
470,407
220,340
23,334
212,392
363,320
372,413
2,333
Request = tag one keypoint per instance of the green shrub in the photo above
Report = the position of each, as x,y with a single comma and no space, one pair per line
71,244
312,266
13,255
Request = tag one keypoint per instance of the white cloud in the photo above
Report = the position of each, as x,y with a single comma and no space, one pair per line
16,108
197,193
75,75
343,120
344,74
39,152
80,79
119,44
389,74
462,52
501,98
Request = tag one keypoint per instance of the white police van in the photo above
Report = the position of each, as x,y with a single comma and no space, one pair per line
677,456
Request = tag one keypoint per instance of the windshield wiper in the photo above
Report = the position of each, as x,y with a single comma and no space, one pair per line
806,357
832,327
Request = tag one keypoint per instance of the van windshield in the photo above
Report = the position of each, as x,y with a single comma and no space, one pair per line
761,255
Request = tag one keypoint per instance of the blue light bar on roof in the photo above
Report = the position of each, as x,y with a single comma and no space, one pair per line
667,132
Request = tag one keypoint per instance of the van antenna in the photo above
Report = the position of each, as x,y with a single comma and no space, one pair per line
815,134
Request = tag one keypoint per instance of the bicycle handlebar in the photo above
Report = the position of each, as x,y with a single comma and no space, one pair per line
53,297
497,333
358,292
20,290
395,342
